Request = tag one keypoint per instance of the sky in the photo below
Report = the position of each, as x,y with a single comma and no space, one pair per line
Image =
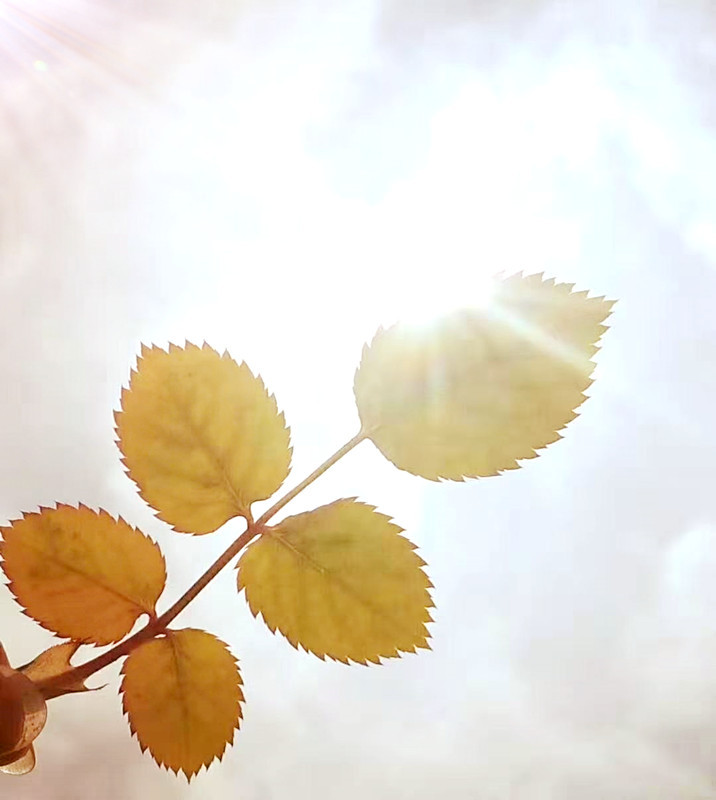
278,178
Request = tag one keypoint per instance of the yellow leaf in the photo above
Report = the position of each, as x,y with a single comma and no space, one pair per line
201,437
341,582
81,573
479,390
182,694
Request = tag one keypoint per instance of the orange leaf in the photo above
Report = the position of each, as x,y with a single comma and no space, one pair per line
341,582
182,694
81,573
201,437
479,390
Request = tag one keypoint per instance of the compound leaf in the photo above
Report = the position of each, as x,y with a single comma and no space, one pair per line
339,581
182,694
201,437
479,390
81,573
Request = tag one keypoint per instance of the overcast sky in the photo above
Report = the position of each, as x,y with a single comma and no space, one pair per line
280,177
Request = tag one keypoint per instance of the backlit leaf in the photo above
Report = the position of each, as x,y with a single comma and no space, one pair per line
201,437
81,573
480,389
341,582
182,694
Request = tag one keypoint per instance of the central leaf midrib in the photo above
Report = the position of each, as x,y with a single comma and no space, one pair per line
378,611
88,576
213,455
171,637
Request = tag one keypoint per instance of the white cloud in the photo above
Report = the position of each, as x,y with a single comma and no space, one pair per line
277,178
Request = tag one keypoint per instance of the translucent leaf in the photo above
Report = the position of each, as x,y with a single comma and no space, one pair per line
22,718
479,390
182,694
341,582
201,437
51,663
81,573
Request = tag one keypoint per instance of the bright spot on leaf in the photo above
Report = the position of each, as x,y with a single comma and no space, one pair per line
480,389
339,581
201,437
420,310
81,573
182,694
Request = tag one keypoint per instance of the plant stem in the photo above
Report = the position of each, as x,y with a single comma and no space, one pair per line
325,466
57,684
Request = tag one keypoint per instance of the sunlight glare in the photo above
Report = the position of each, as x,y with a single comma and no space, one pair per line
439,299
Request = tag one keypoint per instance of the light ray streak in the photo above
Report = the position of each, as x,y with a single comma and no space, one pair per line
29,37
